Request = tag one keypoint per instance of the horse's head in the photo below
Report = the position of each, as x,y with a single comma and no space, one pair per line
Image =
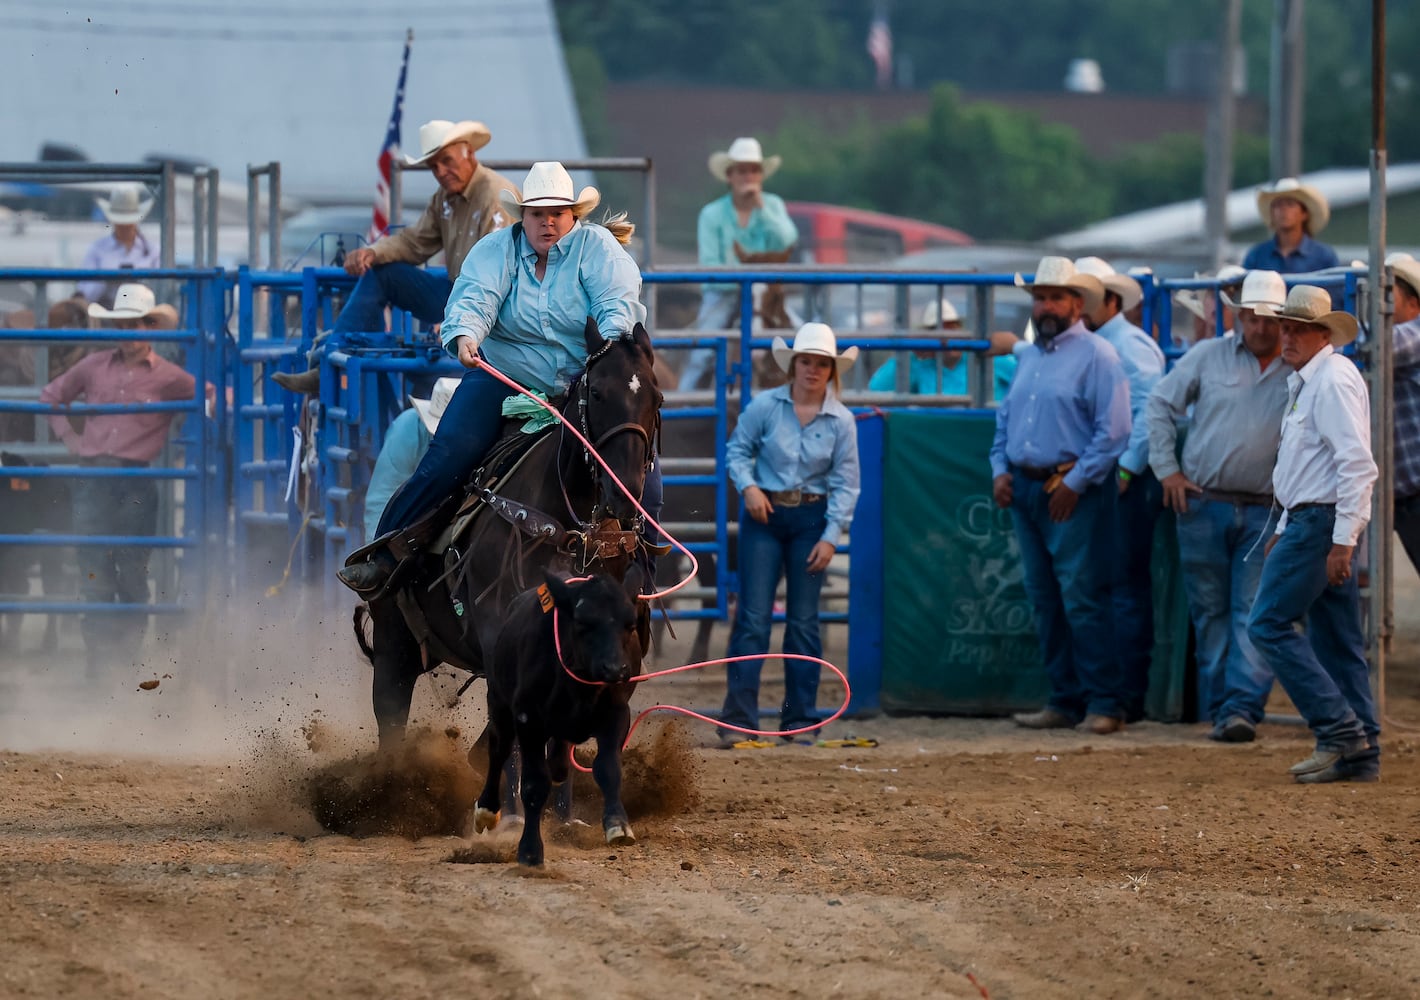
620,412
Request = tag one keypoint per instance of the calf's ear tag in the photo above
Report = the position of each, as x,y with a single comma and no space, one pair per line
544,597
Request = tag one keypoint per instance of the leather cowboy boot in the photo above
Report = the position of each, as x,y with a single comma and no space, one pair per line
367,577
306,382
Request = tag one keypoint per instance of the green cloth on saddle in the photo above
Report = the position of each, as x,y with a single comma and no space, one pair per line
520,407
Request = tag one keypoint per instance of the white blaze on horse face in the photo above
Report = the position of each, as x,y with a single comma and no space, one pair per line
634,385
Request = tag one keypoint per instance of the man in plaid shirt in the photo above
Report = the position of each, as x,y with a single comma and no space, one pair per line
1407,403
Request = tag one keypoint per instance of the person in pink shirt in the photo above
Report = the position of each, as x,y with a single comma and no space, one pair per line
118,505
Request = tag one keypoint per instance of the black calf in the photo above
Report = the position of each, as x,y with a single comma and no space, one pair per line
549,707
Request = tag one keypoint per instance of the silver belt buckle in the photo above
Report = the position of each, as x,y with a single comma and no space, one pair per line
791,498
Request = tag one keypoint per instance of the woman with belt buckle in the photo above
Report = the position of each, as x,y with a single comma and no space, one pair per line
794,459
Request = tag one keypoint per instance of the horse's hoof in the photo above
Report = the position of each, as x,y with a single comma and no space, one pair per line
620,835
484,819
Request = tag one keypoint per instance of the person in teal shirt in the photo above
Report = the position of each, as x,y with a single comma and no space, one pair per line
406,441
925,369
748,217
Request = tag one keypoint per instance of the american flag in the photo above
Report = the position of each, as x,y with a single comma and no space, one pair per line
880,46
380,219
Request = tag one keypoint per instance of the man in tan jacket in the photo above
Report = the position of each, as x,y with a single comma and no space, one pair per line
462,211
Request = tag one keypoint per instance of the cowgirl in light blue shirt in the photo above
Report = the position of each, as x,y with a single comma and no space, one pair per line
521,302
794,459
746,215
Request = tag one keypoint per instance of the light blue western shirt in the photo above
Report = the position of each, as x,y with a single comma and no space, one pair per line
1143,362
770,449
1069,401
769,229
922,377
530,330
406,441
107,253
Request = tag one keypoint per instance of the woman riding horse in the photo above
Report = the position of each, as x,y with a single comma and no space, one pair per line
521,303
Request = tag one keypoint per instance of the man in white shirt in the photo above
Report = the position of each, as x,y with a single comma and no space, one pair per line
1323,481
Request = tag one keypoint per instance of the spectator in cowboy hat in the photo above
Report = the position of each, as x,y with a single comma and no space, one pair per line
463,211
794,459
934,371
746,217
406,441
1295,213
1323,481
1221,493
124,246
117,504
1203,304
1139,502
1405,363
1059,432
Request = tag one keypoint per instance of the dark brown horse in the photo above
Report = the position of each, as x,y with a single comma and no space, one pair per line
449,607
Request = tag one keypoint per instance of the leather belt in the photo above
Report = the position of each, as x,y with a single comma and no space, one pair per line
1239,499
793,498
1034,473
112,462
1310,506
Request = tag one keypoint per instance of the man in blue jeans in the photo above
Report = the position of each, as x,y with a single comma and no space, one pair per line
463,211
1059,432
1221,491
1323,481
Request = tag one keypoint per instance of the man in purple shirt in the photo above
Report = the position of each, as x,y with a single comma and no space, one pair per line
1059,433
115,504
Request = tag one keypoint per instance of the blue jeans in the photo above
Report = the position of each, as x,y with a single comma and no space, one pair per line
1325,671
1132,586
1069,587
719,310
1220,552
768,552
410,288
1407,526
469,427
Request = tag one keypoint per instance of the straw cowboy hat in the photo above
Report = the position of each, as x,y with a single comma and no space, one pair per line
125,205
934,314
1406,268
1129,291
1259,288
1310,304
1318,211
431,409
813,338
435,135
1059,272
743,150
129,302
549,185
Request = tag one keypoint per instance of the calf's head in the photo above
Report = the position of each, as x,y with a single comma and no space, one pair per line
599,621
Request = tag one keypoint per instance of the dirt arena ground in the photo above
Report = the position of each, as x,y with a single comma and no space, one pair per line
162,843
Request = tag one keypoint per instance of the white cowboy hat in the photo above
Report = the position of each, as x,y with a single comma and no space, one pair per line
1406,267
431,409
743,150
549,185
1260,288
435,135
129,302
1310,304
125,205
1129,291
1318,211
1059,272
813,338
934,314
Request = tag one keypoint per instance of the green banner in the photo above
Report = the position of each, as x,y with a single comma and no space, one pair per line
959,633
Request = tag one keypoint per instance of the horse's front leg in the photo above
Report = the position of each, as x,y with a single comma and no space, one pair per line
537,783
559,763
500,735
607,770
397,661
